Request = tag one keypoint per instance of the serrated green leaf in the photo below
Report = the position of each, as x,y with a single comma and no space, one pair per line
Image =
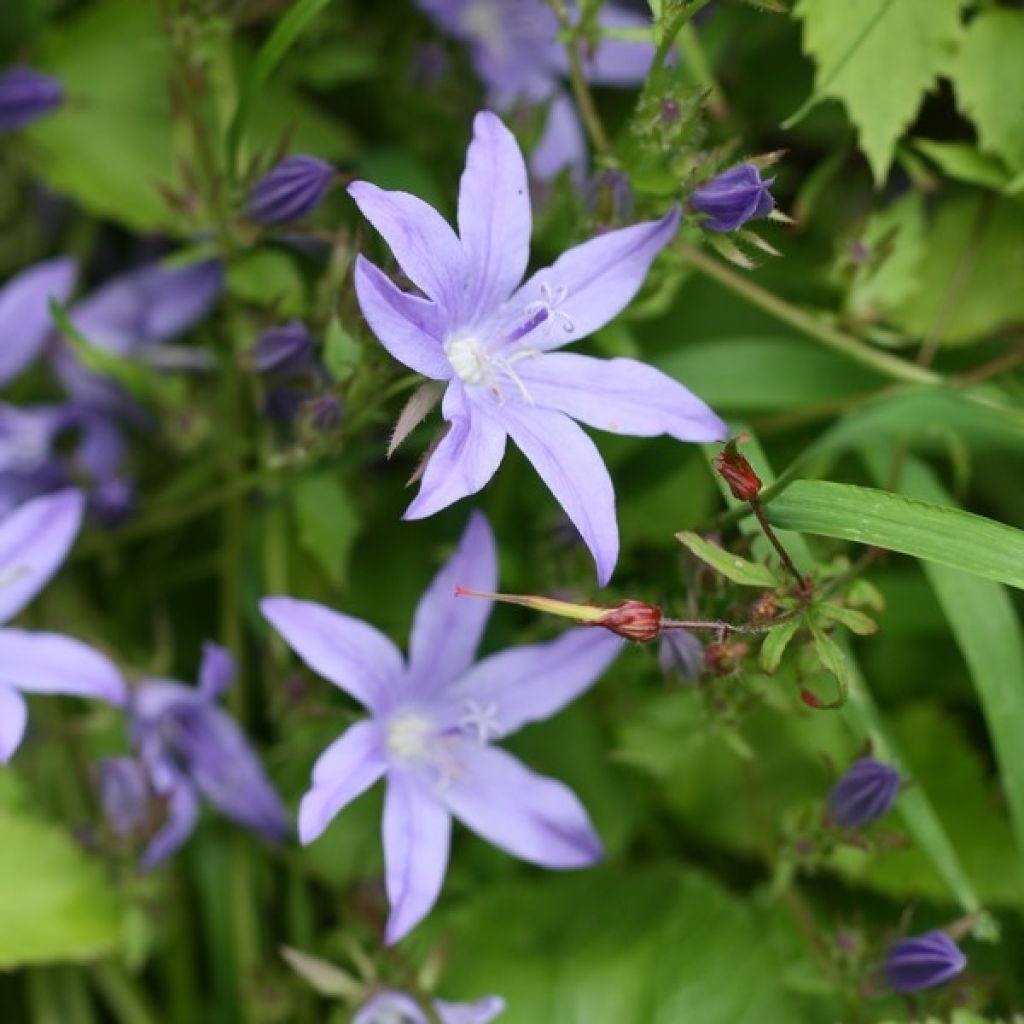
328,522
879,58
935,533
732,567
774,645
988,80
56,905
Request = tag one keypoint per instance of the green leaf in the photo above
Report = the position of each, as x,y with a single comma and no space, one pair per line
988,80
606,947
280,41
855,621
988,633
341,351
56,905
328,522
268,278
775,643
879,57
732,567
962,162
328,979
936,533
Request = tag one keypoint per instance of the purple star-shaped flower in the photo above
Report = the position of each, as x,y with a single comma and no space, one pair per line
493,339
34,540
190,748
432,722
393,1007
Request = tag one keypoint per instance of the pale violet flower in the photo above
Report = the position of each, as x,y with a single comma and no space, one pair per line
393,1007
34,540
189,748
493,340
433,720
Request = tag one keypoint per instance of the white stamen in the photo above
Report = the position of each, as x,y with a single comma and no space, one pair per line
552,299
410,736
474,365
480,720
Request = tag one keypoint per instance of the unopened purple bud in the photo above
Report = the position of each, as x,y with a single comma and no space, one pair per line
26,95
733,198
283,350
282,405
864,793
124,793
325,413
294,188
681,656
113,500
923,961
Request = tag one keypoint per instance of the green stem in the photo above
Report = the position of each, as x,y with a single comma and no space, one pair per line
668,38
807,323
123,998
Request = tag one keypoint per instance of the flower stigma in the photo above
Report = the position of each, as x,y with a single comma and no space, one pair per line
410,736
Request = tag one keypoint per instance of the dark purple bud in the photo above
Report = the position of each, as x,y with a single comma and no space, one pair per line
923,961
294,188
864,793
283,350
325,413
113,500
733,198
26,95
282,405
681,656
124,793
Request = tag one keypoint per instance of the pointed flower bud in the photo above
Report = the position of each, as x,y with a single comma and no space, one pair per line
294,188
634,620
734,469
282,350
25,96
923,961
733,198
864,793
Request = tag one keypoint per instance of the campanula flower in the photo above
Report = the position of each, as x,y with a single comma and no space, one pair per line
517,53
923,961
124,794
25,96
493,340
864,793
292,189
286,349
433,720
733,198
392,1007
191,749
25,320
34,540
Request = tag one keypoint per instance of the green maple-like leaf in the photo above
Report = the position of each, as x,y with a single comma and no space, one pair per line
879,58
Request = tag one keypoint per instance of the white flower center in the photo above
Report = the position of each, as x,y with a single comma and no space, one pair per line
410,736
469,359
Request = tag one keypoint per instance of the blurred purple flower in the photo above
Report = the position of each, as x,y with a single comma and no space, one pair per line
492,339
34,540
923,961
864,793
286,349
516,51
25,320
681,656
124,794
432,722
325,413
190,748
25,96
391,1007
292,189
733,198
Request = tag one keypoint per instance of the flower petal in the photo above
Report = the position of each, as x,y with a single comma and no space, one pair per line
446,629
13,719
494,214
422,241
52,663
569,463
483,1011
34,540
531,683
467,457
562,146
182,814
619,61
349,652
346,769
593,282
406,325
623,396
25,321
216,670
529,816
417,833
